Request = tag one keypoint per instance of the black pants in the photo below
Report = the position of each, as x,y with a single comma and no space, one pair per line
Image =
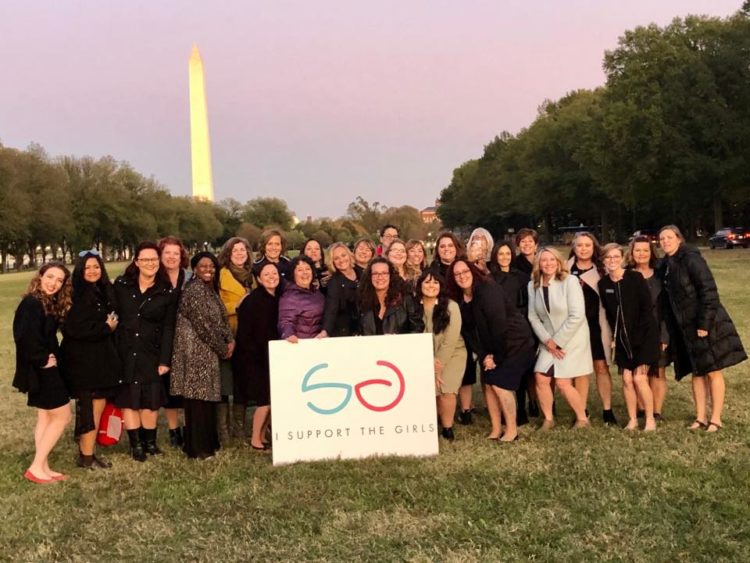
201,437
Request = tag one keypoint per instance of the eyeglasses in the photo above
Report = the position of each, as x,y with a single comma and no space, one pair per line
389,237
380,274
93,252
461,274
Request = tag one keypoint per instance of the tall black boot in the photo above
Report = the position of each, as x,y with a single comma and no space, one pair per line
136,446
175,437
150,444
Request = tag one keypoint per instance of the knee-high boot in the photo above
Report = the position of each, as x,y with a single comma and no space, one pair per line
222,423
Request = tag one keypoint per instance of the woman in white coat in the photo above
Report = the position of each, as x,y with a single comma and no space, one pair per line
557,314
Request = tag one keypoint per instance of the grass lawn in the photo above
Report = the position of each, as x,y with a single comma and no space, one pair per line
597,494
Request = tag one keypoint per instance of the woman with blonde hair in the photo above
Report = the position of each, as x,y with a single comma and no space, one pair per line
44,306
586,265
416,257
557,313
272,248
341,313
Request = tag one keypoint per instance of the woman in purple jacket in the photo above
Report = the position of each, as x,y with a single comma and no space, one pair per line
301,305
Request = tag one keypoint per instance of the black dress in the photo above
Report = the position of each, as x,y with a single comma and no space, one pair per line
144,341
257,320
469,334
35,335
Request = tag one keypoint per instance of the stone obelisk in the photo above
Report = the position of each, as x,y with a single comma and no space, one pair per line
200,143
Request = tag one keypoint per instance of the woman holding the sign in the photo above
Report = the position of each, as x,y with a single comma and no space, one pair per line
385,308
301,305
442,318
504,343
258,317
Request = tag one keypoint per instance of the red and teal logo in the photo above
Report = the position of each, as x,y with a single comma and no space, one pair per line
357,389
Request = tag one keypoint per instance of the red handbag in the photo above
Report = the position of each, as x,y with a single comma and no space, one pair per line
110,426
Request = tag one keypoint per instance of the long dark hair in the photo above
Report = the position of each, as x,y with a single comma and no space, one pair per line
194,262
493,265
460,250
101,287
455,292
440,315
132,271
368,301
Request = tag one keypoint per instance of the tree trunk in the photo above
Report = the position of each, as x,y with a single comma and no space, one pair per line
718,213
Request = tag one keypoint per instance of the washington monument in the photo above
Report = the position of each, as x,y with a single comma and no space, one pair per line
200,143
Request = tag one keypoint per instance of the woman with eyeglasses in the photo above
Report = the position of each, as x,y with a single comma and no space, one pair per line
585,264
39,314
202,338
627,302
235,281
174,258
442,318
90,362
641,258
703,338
503,343
147,308
385,308
557,313
341,315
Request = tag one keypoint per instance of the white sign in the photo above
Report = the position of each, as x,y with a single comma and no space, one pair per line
353,397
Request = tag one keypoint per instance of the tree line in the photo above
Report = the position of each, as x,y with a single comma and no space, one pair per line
665,140
55,207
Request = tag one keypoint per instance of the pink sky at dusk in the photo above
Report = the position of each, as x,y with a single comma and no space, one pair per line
312,102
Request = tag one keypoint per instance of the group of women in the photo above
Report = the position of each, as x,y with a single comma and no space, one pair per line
531,321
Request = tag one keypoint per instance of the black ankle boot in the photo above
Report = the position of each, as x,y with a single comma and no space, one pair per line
447,433
609,417
85,461
464,417
150,443
175,437
136,446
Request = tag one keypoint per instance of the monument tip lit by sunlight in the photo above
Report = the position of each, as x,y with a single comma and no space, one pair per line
200,142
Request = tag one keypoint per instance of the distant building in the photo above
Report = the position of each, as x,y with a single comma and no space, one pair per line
429,214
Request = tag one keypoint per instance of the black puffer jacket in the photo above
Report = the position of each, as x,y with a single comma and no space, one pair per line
690,301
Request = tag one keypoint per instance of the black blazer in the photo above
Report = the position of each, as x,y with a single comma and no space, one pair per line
341,314
515,283
257,325
35,335
89,358
630,314
146,330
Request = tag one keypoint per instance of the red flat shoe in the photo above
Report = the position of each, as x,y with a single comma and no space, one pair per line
34,479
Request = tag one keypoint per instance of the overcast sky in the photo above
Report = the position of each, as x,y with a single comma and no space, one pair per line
314,102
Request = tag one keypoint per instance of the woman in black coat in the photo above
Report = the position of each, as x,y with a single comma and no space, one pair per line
341,313
385,308
515,284
703,339
147,309
257,320
627,302
43,307
504,344
89,362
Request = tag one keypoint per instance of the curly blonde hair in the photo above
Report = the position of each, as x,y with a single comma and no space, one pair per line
58,304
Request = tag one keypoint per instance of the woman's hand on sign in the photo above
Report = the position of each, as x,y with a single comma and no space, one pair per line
293,339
